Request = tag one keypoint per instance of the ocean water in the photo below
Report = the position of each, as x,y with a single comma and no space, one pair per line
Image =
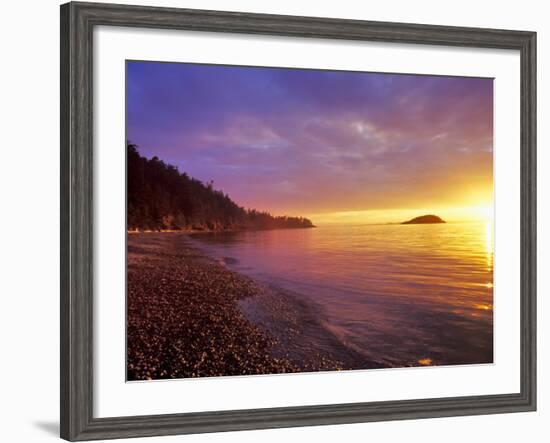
388,295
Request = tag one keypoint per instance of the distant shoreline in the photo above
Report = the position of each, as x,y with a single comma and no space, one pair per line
213,231
198,231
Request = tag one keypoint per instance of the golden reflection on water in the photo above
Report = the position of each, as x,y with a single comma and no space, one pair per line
400,294
489,245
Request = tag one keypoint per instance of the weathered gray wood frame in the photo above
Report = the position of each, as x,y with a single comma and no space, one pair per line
77,23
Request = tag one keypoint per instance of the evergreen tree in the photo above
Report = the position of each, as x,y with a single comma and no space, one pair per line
162,198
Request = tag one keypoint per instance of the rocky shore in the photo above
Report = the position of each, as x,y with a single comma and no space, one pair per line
184,318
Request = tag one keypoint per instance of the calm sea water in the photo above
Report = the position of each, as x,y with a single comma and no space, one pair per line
395,295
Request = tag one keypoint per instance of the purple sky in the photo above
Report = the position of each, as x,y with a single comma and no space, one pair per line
308,141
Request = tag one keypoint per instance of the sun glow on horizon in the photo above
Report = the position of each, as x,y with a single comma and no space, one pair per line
477,213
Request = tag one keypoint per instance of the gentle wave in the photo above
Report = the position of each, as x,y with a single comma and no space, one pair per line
394,295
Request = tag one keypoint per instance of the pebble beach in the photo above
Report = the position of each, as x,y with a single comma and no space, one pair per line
184,319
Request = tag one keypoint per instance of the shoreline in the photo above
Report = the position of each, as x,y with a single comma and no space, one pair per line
211,231
190,316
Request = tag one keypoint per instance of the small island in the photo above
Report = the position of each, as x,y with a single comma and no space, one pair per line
424,219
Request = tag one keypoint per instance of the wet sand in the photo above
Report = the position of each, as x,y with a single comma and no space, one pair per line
190,316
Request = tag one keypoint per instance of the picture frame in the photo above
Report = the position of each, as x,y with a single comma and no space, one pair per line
78,21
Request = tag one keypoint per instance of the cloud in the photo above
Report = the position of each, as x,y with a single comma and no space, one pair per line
305,140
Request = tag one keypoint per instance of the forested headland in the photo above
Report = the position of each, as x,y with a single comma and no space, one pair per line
160,197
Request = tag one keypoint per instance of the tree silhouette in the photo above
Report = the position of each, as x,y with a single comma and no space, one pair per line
162,198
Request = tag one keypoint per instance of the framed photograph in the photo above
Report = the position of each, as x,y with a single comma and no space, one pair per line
273,221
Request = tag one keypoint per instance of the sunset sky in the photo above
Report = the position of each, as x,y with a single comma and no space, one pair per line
334,146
